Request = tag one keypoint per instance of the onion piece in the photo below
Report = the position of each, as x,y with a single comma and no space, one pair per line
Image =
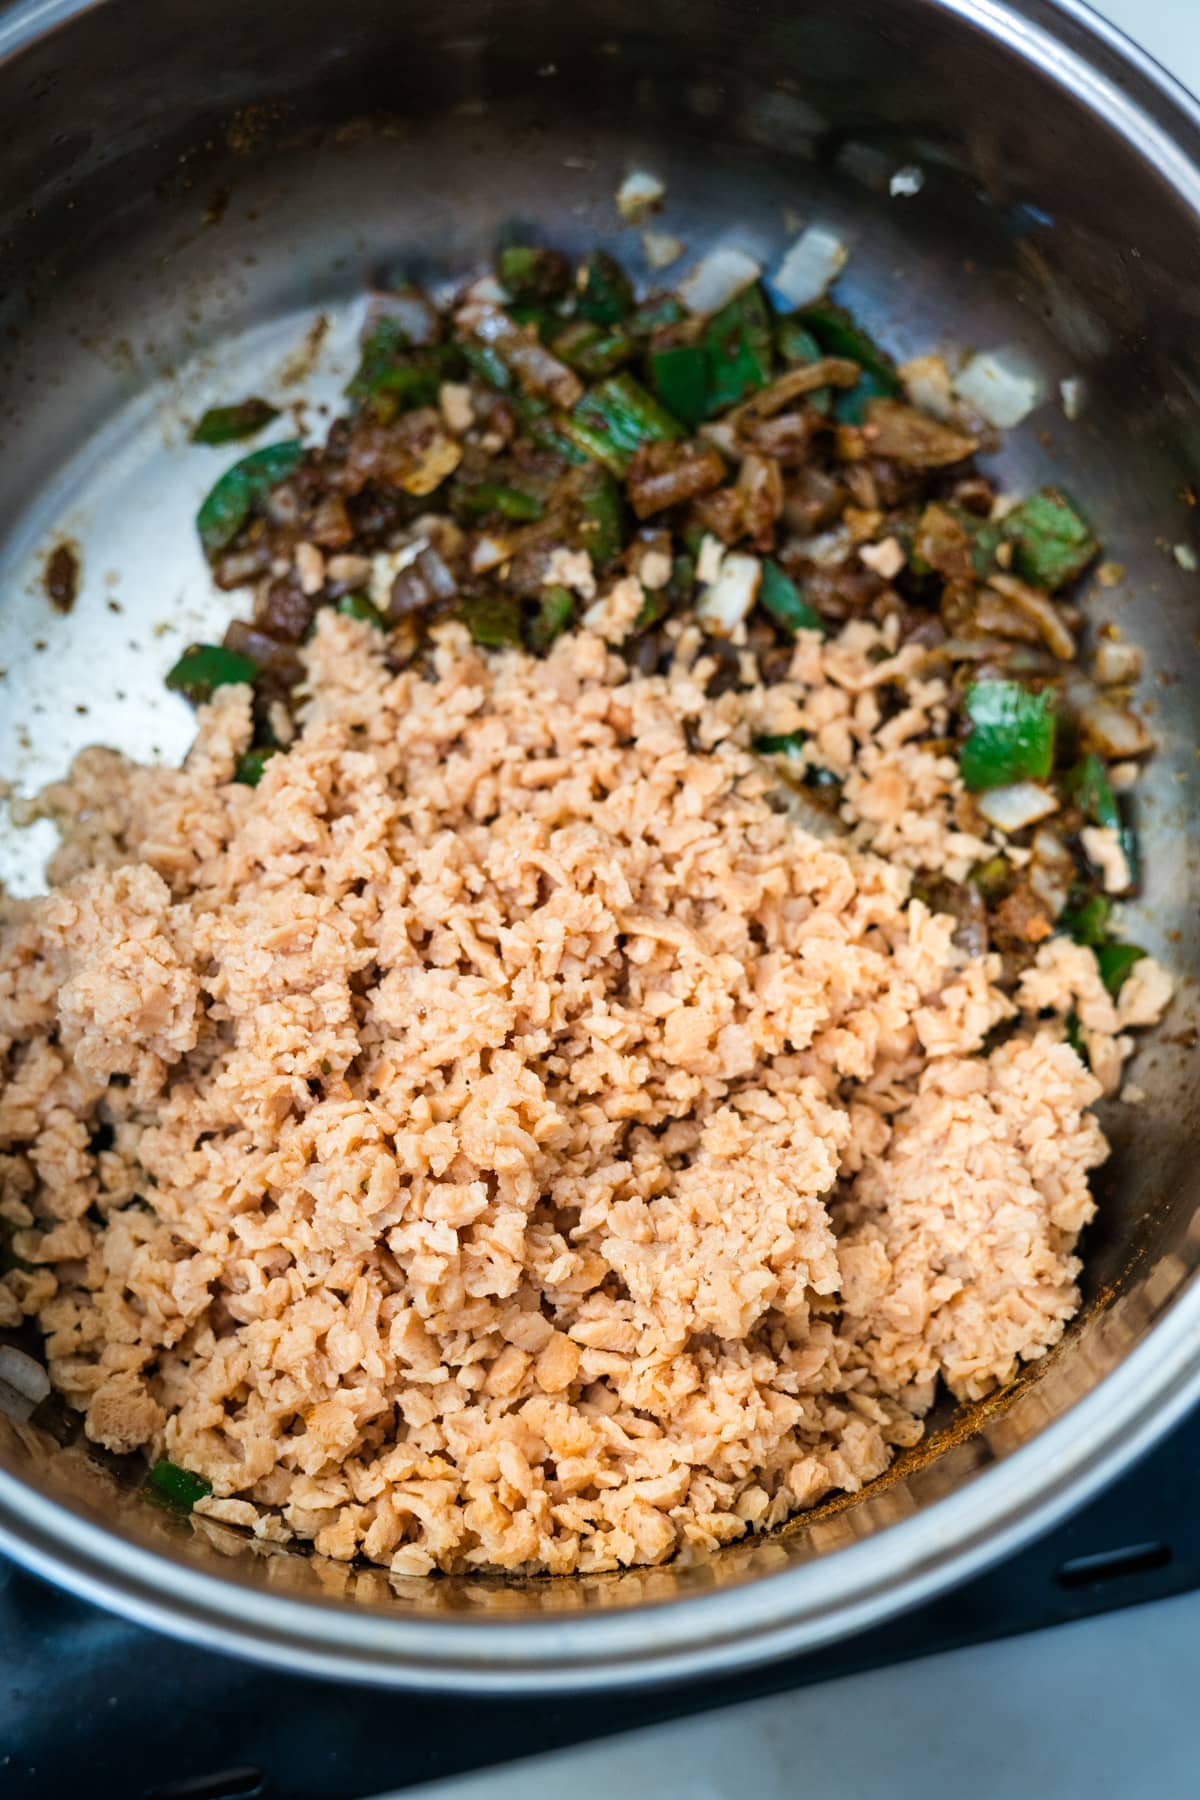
639,195
717,279
1021,803
488,552
723,606
1114,730
1051,872
1072,391
1115,663
661,249
926,382
24,1383
906,182
1040,610
1002,387
815,260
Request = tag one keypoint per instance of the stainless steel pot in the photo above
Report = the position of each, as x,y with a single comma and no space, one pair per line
184,187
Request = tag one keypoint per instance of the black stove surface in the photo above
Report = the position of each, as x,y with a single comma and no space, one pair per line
90,1704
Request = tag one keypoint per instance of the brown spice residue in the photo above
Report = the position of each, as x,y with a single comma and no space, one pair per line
60,577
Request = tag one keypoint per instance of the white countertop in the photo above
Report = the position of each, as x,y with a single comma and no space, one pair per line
1103,1710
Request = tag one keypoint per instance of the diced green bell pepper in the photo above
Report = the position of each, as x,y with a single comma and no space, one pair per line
680,374
531,273
605,291
1051,542
251,763
784,601
231,499
1116,961
1087,922
358,606
593,350
554,614
1090,788
494,620
1012,735
177,1487
740,352
784,743
600,526
617,416
839,334
205,667
226,424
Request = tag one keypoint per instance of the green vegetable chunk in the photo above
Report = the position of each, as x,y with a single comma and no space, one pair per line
177,1487
850,407
739,349
232,498
250,765
680,377
553,616
205,667
1074,1036
656,314
494,620
784,601
618,416
1051,541
531,273
226,424
9,1258
357,606
784,743
1012,735
600,528
489,365
794,341
1090,788
593,350
1087,923
494,497
605,291
839,334
397,378
1116,960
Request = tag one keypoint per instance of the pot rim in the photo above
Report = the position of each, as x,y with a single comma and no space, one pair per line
801,1608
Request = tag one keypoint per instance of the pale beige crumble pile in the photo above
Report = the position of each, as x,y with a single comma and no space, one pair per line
517,1141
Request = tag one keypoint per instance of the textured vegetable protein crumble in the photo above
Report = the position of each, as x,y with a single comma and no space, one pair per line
506,1136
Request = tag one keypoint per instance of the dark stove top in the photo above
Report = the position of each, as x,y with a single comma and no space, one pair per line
89,1704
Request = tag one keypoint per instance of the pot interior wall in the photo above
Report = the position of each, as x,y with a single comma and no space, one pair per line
186,189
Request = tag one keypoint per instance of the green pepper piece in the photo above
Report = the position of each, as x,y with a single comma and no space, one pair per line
531,273
656,314
794,341
1087,923
204,667
739,349
1090,788
605,291
231,499
250,765
1012,735
494,497
839,334
1074,1036
392,373
489,365
620,416
554,614
992,877
784,601
593,350
1051,541
1115,961
654,607
494,620
8,1256
226,424
985,541
600,529
680,377
358,606
850,407
784,743
177,1487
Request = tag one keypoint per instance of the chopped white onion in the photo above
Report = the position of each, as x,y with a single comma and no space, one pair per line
639,195
927,384
1116,662
724,605
1072,391
717,279
828,548
906,182
1002,387
487,290
386,565
1020,804
1185,556
24,1383
1103,848
661,249
488,552
815,260
866,163
708,562
1114,730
